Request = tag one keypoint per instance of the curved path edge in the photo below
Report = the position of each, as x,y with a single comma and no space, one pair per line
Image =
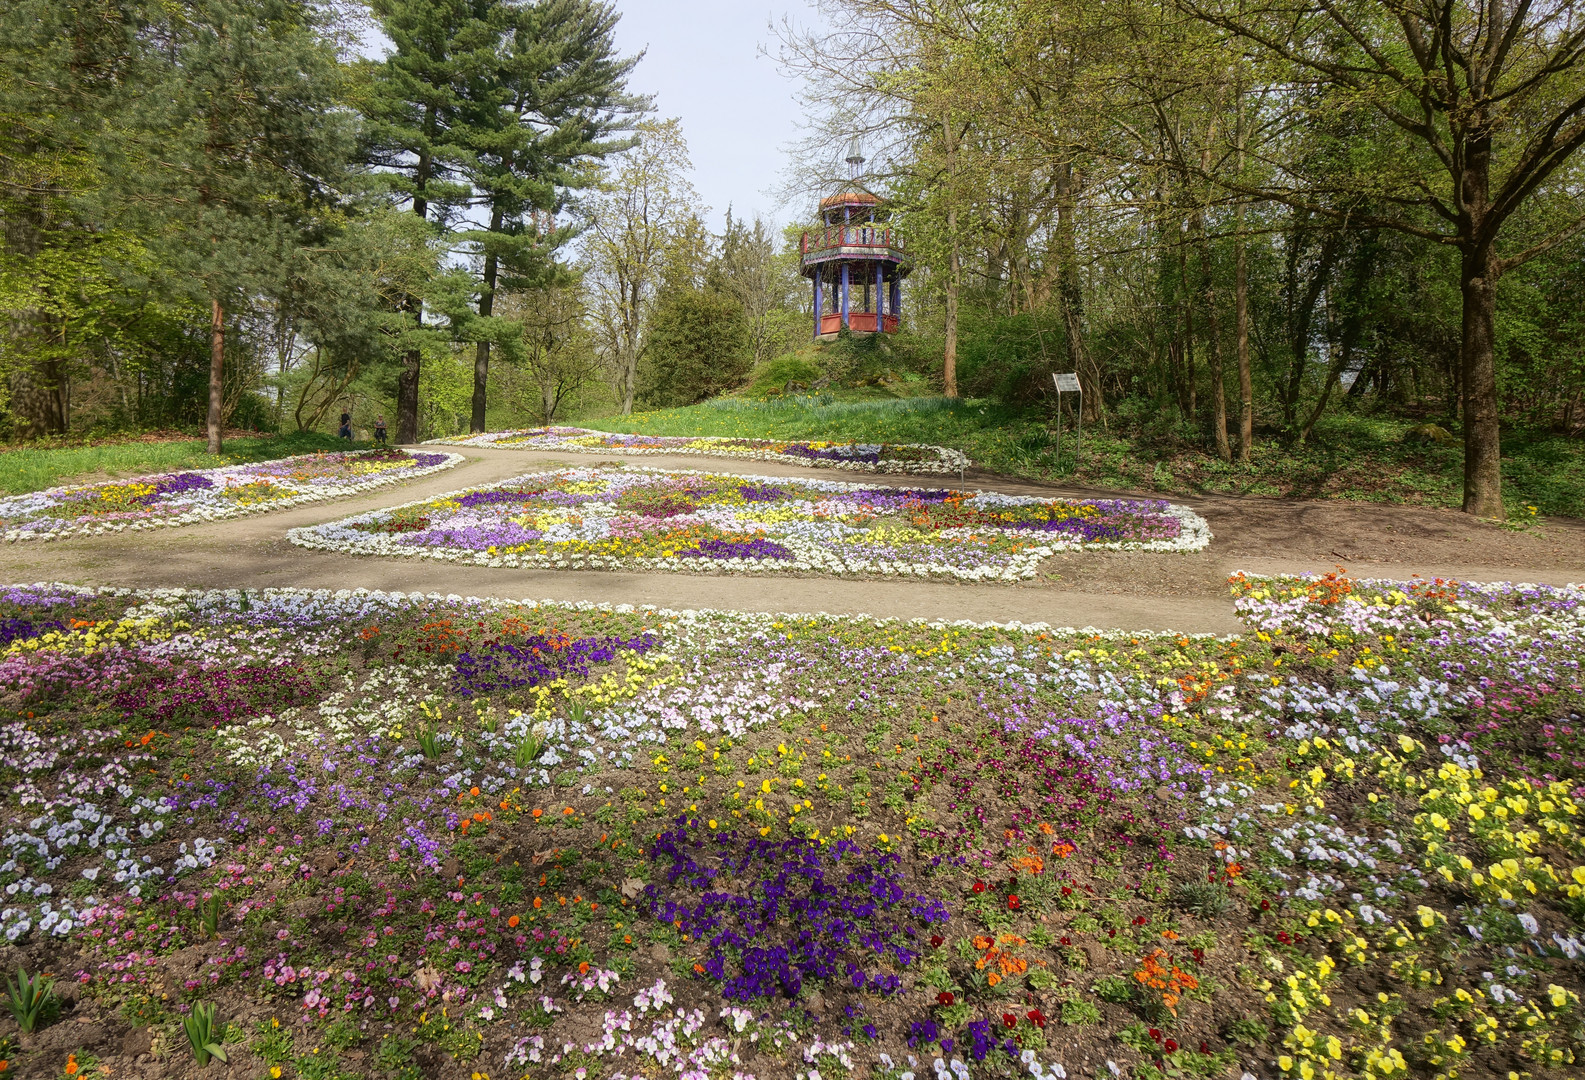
1130,591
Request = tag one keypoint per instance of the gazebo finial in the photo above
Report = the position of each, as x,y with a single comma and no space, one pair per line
855,158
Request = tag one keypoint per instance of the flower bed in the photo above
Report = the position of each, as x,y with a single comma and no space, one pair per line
619,518
447,837
151,502
857,457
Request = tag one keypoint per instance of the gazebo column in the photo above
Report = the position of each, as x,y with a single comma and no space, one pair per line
817,300
844,296
880,297
897,296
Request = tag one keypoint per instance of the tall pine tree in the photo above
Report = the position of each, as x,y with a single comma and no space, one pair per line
439,73
557,104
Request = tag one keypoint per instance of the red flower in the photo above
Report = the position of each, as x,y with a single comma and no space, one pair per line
1111,933
1170,1045
1205,1047
1282,936
1037,1018
1065,941
1199,956
945,997
1013,903
979,886
936,940
1066,891
1265,905
1155,1033
1009,1020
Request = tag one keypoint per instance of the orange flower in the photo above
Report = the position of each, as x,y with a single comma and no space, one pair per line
583,968
1170,935
537,902
1045,827
1062,849
538,812
993,978
71,1064
474,792
513,921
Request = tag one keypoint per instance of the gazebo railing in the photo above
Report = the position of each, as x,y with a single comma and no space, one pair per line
841,236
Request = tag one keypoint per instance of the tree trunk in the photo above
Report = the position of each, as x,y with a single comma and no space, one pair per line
949,352
1072,294
217,370
1478,273
1246,385
481,354
407,381
1213,331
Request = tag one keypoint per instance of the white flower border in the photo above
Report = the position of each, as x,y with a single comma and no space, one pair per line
948,461
67,529
683,616
1194,535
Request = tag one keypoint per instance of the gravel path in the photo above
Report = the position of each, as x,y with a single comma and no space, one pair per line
1185,593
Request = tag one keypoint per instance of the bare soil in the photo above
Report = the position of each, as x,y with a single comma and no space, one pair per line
1125,590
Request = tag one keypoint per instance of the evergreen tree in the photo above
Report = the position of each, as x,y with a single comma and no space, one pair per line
555,105
442,65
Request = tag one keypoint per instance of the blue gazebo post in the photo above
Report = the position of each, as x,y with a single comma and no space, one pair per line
880,294
817,305
844,296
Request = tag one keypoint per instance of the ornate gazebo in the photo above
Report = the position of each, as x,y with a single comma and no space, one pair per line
855,261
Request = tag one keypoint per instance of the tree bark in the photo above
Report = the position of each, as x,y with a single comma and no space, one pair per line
217,370
407,381
1246,385
949,352
1072,294
1213,331
481,354
1478,274
1246,382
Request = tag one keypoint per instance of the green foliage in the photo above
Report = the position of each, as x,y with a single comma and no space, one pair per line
204,1033
429,741
698,347
209,910
31,999
1078,1013
774,376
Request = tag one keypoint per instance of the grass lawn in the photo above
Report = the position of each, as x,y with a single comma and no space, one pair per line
1348,457
35,468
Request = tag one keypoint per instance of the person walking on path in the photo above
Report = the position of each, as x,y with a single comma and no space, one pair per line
379,431
345,430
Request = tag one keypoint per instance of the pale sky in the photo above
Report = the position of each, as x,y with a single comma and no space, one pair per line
739,113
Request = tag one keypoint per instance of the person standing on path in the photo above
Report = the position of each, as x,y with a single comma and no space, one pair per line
379,431
345,430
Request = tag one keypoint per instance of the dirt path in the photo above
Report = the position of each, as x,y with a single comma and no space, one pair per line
1102,589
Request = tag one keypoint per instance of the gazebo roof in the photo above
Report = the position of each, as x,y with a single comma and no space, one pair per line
850,197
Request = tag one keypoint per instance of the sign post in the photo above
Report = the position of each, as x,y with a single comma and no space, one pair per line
1068,383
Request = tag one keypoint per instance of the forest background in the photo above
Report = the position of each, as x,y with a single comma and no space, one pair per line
1309,246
